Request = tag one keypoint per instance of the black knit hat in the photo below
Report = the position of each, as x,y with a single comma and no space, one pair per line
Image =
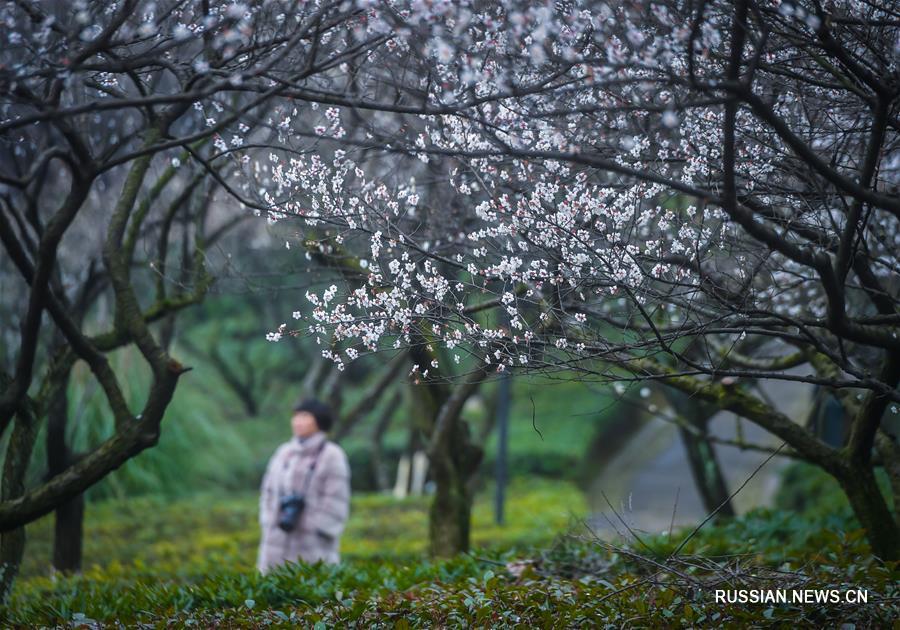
320,411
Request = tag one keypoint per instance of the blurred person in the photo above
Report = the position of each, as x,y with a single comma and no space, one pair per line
305,493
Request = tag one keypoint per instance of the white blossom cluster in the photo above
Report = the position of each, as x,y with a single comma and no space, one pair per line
559,242
524,182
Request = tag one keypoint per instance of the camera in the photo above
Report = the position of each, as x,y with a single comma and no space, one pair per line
289,509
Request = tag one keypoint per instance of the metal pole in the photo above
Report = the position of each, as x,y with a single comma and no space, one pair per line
500,472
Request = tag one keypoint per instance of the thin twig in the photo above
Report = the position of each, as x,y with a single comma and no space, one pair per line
725,502
674,509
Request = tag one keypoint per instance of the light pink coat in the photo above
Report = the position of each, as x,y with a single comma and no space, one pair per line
317,535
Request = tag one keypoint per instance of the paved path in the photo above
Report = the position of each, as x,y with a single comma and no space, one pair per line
650,477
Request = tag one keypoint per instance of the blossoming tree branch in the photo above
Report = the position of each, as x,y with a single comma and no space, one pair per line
700,194
703,195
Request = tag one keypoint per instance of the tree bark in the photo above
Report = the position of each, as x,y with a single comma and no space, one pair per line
451,509
454,462
18,454
856,474
706,471
69,516
870,508
889,451
68,536
128,440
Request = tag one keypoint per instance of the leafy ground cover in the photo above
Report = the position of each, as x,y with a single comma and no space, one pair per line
575,582
189,563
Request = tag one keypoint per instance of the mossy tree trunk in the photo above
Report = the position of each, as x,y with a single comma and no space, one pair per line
694,417
889,451
451,509
856,470
871,510
18,454
705,469
453,455
69,516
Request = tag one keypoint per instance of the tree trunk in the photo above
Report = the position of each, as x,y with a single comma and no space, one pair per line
870,509
451,508
68,535
450,513
694,416
332,391
12,550
380,471
889,451
68,517
18,454
436,408
705,469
